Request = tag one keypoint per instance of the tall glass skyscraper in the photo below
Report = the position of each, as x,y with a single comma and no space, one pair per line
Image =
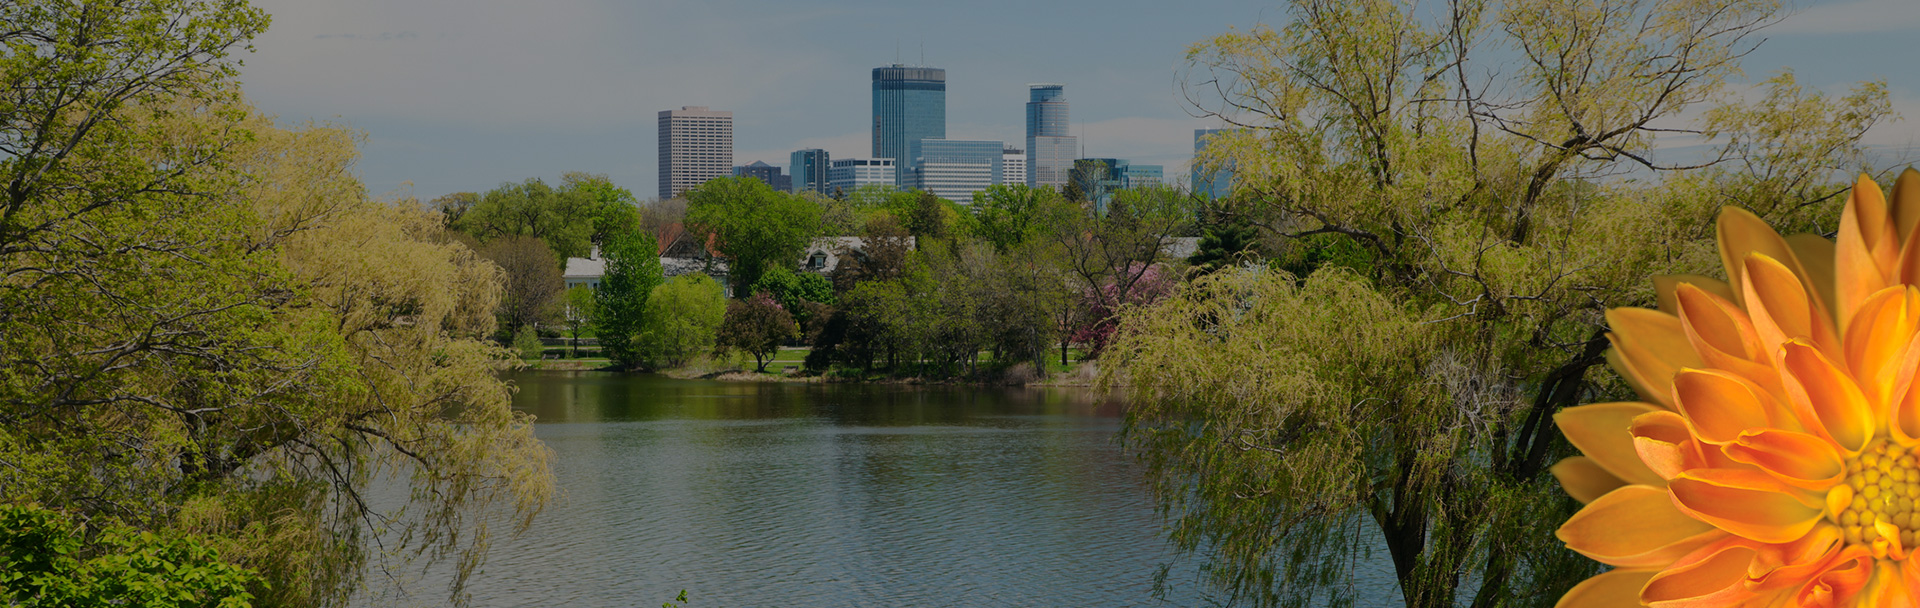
1050,150
810,169
909,104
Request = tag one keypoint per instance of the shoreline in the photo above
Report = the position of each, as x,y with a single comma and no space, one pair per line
1081,376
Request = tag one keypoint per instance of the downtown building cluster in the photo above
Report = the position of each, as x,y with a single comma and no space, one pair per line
910,149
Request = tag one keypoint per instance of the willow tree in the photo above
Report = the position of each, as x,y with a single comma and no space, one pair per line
1497,163
206,327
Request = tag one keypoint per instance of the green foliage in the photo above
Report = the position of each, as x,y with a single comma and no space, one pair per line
210,330
683,315
582,311
584,211
1307,254
1460,247
1007,216
1228,243
792,290
48,560
526,343
758,228
633,271
757,325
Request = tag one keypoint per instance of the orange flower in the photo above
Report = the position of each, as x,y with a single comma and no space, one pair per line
1775,459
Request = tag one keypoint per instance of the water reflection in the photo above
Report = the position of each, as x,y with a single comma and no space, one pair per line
829,495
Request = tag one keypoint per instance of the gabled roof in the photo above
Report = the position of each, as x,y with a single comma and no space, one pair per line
585,268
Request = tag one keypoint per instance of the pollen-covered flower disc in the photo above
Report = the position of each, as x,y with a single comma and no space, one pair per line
1775,457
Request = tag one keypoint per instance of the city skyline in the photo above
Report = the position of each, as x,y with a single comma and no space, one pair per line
464,96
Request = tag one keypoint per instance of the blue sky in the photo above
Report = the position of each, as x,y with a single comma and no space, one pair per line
460,95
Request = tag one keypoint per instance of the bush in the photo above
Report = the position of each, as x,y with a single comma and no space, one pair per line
527,343
682,317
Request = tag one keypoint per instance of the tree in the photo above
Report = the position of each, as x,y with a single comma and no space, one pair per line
1008,216
683,315
612,209
793,289
757,227
757,325
236,350
454,205
633,271
1116,256
46,559
582,311
1224,244
533,281
1408,403
563,220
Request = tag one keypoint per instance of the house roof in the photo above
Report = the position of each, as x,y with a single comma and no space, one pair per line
585,268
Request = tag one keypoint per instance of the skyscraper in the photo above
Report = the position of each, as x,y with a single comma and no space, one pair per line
810,169
909,104
1013,166
696,145
1216,182
1050,150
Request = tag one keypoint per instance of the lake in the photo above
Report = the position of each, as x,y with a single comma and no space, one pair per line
752,494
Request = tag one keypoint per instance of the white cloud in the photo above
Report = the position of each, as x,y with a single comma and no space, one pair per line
1851,17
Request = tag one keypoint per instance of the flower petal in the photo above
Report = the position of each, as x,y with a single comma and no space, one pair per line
1826,399
1781,310
1584,480
1749,504
1816,260
1877,340
1906,204
1654,346
1839,582
1786,567
1635,526
1714,579
1741,233
1610,589
1721,405
1867,249
1632,376
1602,432
1724,337
1665,285
1665,443
1799,459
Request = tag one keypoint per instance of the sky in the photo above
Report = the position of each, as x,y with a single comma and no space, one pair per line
464,95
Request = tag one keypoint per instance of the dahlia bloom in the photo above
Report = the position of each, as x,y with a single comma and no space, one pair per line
1775,457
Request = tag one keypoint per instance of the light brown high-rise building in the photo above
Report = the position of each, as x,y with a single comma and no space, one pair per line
696,145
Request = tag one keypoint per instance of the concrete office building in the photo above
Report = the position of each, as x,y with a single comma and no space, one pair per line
767,174
696,145
1217,182
1051,150
849,174
954,169
810,168
909,105
1013,166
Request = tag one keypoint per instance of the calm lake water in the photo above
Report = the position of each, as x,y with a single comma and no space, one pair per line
830,495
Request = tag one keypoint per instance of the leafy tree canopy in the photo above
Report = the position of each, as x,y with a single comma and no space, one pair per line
757,227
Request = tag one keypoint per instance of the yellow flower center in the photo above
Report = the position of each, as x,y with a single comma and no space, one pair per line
1886,485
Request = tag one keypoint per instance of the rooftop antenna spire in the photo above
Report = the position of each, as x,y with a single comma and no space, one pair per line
923,53
896,51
